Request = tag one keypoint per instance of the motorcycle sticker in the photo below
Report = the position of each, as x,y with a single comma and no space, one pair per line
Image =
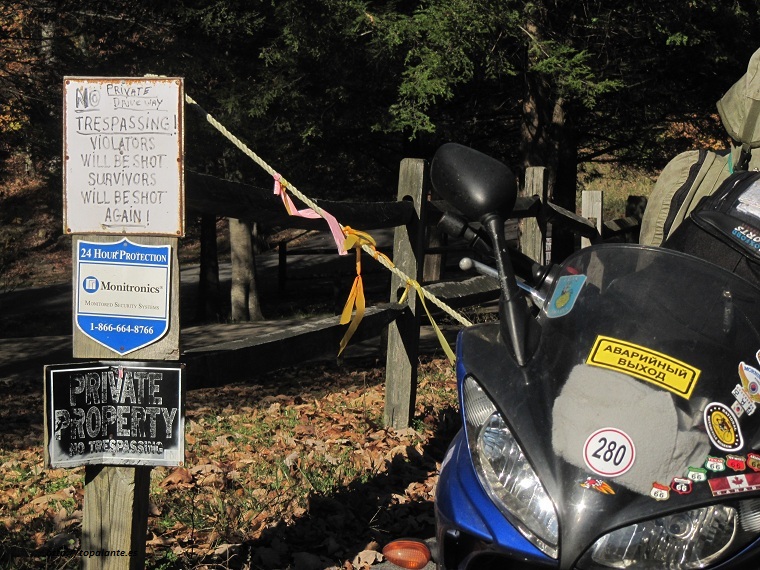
644,364
735,484
723,427
598,485
743,401
715,464
753,461
736,462
681,486
697,474
750,378
660,492
609,452
565,294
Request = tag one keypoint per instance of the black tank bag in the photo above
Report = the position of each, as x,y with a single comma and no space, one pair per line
724,228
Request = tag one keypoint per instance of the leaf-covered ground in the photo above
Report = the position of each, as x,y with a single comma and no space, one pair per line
289,470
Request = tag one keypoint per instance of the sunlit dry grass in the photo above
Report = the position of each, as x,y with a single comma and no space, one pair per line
617,183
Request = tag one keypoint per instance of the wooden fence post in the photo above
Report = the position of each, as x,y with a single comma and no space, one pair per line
433,263
533,238
404,332
592,203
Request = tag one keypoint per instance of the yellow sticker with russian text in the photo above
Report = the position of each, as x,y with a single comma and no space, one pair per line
645,364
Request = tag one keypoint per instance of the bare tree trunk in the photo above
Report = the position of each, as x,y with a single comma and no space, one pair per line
244,297
547,139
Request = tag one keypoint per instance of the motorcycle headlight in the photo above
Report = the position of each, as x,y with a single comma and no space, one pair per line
686,540
505,473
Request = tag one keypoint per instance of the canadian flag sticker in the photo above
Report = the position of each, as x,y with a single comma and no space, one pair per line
735,484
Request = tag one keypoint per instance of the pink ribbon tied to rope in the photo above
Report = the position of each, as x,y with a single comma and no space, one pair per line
335,229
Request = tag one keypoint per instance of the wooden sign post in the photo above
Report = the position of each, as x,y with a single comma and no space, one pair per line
118,418
124,203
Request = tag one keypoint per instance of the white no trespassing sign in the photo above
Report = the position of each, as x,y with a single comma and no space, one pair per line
123,156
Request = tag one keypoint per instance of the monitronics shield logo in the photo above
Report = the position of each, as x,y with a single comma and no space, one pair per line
122,301
90,284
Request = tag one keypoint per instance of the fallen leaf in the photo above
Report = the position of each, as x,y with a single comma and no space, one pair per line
67,541
367,558
160,540
227,550
61,495
153,509
179,477
223,440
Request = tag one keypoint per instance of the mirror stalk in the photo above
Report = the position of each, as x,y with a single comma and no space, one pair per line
513,310
482,188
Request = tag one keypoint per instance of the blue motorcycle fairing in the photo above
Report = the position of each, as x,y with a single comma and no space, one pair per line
710,326
461,498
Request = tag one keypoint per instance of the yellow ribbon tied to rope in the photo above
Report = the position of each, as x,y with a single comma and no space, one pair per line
438,333
355,239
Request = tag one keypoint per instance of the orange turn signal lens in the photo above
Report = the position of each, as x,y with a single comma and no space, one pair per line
411,554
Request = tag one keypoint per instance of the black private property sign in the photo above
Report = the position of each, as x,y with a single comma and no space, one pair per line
114,413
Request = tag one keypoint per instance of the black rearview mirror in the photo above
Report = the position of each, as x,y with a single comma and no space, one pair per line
472,182
484,190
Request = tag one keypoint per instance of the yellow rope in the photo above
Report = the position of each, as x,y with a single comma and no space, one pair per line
366,245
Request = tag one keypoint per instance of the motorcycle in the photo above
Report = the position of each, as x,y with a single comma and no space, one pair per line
609,418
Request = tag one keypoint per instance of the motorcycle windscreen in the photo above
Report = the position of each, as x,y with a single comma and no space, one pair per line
641,398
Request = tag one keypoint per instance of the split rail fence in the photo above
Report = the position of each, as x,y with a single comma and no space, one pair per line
413,216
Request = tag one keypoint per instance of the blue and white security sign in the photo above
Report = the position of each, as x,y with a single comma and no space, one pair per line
122,293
